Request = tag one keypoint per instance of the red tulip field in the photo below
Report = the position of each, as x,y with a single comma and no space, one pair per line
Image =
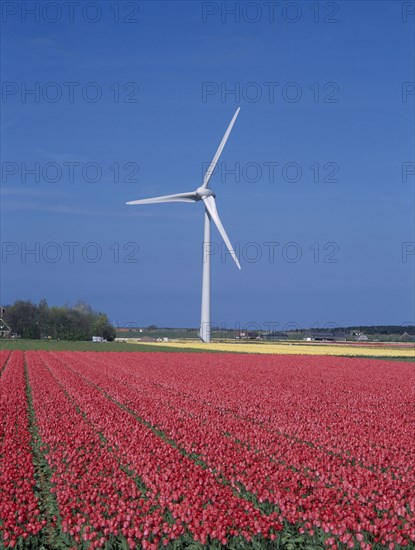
198,450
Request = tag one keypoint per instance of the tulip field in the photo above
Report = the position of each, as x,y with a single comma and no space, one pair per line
379,350
182,450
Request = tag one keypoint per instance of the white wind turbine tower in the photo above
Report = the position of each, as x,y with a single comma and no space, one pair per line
208,197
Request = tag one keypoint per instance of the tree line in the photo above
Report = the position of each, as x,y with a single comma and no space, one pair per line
80,322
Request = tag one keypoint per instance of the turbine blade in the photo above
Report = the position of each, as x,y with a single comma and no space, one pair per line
219,151
210,204
179,197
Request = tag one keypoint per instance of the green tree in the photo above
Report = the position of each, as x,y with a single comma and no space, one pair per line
102,327
43,315
23,319
65,323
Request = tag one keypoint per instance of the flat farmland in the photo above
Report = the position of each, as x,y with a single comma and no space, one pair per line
185,450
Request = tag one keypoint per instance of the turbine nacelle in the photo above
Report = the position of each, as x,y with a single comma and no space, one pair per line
203,192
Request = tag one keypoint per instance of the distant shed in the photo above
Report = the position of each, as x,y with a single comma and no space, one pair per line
324,336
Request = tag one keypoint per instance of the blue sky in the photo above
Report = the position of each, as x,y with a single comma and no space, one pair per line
315,185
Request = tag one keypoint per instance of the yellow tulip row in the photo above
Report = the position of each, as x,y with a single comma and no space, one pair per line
294,348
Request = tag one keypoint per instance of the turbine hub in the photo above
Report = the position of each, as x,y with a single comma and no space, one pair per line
203,192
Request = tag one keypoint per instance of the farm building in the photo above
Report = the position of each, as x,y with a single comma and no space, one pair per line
5,331
324,336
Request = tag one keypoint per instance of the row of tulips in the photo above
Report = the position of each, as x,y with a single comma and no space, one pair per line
74,419
4,355
96,498
303,481
295,348
19,507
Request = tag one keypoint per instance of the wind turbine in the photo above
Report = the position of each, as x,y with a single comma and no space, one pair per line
203,193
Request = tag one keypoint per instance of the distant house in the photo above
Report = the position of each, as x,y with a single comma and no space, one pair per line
5,331
324,336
